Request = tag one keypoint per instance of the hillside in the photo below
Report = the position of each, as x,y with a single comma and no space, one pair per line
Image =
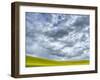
35,61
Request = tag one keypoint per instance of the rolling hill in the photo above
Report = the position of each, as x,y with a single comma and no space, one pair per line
35,61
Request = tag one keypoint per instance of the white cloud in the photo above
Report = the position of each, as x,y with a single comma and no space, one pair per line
57,36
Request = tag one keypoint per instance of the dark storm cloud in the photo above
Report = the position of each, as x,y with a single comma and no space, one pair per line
81,22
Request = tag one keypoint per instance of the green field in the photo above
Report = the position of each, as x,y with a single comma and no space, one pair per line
34,61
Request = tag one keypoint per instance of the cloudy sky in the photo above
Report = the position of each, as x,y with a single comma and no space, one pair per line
57,36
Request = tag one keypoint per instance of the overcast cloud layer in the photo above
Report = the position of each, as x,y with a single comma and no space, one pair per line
57,36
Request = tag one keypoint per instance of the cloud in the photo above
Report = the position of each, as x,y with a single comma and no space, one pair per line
57,36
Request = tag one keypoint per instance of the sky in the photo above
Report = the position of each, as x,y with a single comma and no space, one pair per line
57,36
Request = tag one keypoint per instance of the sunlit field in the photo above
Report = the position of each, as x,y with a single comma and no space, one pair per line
34,61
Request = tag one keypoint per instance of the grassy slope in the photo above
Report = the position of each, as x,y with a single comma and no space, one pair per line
34,61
